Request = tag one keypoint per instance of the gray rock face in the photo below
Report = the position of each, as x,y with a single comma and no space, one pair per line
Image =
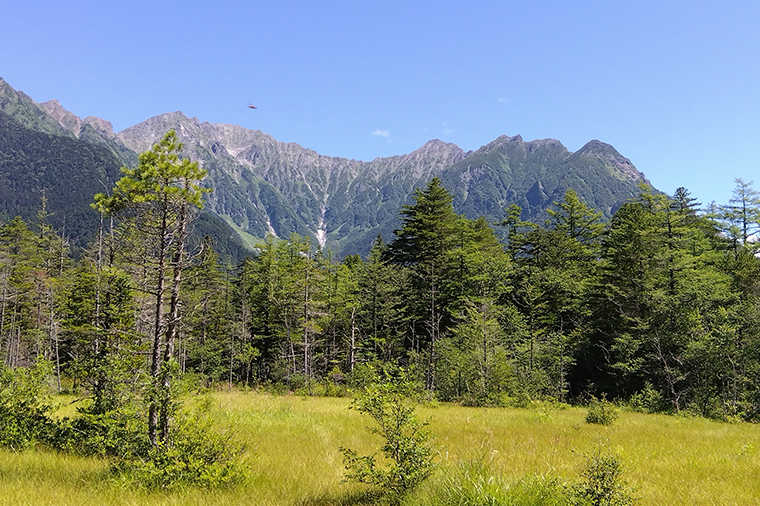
75,124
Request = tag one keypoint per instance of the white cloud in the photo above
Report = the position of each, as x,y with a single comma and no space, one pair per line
381,133
503,101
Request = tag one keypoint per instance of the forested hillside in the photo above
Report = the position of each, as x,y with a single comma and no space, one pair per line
63,170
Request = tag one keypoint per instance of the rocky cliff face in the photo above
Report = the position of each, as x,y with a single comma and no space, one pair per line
75,124
264,186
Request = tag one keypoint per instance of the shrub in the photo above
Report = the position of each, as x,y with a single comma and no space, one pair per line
114,433
196,456
648,400
406,448
601,481
601,411
24,408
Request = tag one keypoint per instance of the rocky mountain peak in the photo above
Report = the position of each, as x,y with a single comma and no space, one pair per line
74,123
142,136
439,149
503,141
610,156
102,126
545,144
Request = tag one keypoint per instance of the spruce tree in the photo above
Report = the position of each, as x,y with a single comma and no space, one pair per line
424,244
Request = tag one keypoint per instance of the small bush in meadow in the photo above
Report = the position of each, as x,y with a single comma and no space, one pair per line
196,456
601,481
601,411
648,400
24,408
406,452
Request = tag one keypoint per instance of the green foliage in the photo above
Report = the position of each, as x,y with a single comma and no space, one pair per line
740,219
406,446
476,483
601,481
24,407
226,241
99,338
426,245
601,412
161,178
364,376
475,366
154,201
119,434
198,456
209,299
648,400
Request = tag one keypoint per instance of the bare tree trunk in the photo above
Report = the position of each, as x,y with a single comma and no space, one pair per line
306,369
486,369
174,317
155,365
232,360
434,329
352,350
2,315
54,335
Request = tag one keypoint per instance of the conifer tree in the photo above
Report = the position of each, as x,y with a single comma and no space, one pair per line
424,244
380,304
156,199
742,215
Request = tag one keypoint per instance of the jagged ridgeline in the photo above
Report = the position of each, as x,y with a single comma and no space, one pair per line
264,186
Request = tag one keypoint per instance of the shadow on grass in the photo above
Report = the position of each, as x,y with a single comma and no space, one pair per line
365,498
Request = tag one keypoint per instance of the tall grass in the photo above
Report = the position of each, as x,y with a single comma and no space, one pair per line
294,459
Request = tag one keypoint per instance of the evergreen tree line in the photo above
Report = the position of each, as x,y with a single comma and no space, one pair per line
660,306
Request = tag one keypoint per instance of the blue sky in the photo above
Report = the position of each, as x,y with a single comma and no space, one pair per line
674,86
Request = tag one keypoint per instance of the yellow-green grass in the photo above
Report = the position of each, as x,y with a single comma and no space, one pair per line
293,454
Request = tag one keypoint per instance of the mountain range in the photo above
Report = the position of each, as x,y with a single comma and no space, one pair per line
262,186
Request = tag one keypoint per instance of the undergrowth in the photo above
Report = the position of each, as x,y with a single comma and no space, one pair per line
195,454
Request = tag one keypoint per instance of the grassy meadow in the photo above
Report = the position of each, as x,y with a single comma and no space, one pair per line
293,455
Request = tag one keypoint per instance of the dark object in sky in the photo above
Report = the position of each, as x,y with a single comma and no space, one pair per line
252,106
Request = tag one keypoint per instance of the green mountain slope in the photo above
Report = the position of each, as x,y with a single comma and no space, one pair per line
69,172
44,149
